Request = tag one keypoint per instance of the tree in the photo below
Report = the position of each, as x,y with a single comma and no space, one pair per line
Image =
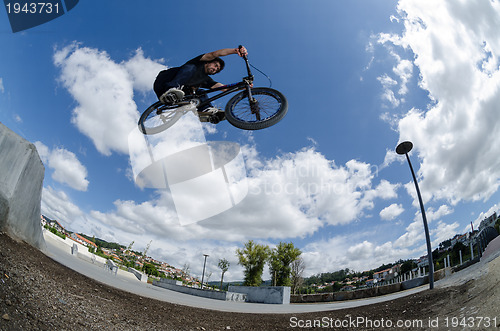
129,248
407,266
151,269
186,269
224,266
298,267
253,258
280,262
455,251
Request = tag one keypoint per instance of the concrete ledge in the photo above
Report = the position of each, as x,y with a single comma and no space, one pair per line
466,264
226,296
264,294
21,180
349,295
171,281
140,276
415,282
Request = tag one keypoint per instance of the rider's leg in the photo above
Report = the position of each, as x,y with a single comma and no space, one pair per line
216,114
208,108
168,89
172,95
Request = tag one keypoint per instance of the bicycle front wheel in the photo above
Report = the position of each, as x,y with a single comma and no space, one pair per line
267,107
159,117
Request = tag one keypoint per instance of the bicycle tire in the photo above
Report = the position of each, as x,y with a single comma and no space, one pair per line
272,104
158,117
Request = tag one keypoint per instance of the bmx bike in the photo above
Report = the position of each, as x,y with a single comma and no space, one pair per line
253,108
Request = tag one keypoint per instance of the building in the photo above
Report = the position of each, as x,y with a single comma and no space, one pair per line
387,274
82,240
52,223
489,221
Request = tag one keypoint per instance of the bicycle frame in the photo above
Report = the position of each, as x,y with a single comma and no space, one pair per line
230,88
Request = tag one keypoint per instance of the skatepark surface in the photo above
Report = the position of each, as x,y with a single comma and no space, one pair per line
56,290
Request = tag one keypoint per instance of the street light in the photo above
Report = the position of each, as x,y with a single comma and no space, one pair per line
404,148
203,275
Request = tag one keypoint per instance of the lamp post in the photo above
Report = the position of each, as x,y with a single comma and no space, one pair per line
203,274
403,149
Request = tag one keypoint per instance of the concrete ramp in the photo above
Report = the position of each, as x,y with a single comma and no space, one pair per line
21,182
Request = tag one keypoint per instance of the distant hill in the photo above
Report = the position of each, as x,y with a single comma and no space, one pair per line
236,283
102,243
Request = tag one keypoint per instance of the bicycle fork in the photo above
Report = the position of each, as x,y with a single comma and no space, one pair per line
254,104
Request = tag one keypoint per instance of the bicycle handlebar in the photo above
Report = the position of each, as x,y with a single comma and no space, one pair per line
246,62
243,56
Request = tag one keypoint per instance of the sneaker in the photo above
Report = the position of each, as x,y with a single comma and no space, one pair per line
216,118
173,95
210,110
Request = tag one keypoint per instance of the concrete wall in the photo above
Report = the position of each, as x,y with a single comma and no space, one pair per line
81,252
140,275
218,295
264,294
347,295
171,281
21,182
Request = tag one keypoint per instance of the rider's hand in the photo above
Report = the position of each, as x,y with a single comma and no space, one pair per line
242,51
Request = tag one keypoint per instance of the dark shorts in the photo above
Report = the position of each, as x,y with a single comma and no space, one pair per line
160,85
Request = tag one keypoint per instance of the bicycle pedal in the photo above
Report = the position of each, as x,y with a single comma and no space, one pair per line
204,117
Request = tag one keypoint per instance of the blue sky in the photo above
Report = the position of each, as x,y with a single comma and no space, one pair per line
360,76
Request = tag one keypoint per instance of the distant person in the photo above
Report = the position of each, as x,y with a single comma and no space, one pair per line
172,84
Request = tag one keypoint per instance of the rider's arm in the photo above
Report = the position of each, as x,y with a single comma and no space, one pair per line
224,52
217,85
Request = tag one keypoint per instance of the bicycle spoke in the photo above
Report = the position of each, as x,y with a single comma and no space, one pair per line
266,105
267,108
158,118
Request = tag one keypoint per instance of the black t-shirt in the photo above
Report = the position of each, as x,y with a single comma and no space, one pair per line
200,78
166,78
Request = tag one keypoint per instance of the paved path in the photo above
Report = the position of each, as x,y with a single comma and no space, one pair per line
492,250
126,281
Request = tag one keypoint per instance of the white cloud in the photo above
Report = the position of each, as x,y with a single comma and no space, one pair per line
103,89
2,89
143,71
443,232
342,252
415,233
57,205
391,212
404,70
456,48
433,215
289,196
388,95
67,169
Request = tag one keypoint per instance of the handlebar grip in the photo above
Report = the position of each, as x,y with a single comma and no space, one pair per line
239,48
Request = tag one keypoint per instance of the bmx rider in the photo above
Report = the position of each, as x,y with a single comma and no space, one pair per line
172,84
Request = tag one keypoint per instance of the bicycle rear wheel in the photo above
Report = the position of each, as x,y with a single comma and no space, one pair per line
267,108
159,117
